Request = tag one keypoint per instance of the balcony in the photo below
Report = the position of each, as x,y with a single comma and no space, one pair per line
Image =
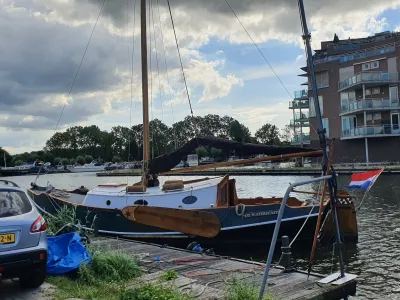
297,123
303,116
299,104
371,131
301,139
374,104
303,94
368,78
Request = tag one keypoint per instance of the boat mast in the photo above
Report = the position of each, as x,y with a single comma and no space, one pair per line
145,91
321,133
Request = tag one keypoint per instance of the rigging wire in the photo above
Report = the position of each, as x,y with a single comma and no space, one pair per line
195,128
155,142
166,72
180,59
80,64
158,69
259,50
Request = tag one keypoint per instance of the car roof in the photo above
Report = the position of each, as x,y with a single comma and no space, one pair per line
6,185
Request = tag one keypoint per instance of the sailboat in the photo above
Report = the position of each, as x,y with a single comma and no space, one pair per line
207,210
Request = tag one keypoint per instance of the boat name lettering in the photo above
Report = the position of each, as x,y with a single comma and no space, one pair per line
261,213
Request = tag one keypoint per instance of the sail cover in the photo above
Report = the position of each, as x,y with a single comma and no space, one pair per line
166,162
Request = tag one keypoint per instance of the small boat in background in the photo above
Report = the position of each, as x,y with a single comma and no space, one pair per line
94,166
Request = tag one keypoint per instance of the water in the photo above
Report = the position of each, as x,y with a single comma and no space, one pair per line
376,257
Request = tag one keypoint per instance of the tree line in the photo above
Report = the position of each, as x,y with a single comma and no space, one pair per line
80,144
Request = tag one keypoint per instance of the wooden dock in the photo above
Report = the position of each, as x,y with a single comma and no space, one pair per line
207,276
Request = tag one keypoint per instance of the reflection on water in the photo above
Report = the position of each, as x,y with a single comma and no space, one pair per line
376,257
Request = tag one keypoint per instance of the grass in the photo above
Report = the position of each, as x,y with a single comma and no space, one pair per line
169,275
153,292
65,216
110,276
237,290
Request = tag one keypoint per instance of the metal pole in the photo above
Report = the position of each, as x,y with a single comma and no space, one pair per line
278,224
320,129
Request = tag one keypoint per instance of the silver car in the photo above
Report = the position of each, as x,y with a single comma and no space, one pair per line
23,239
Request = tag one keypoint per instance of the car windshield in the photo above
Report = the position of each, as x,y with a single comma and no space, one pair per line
14,203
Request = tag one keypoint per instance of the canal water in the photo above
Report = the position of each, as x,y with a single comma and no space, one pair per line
376,257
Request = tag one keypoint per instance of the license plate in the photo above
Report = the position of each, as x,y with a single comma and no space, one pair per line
7,238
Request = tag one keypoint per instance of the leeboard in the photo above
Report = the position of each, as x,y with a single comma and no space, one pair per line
192,222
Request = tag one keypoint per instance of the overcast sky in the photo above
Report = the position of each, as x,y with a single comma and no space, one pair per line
42,43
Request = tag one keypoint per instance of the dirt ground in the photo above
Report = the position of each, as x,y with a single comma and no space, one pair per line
11,290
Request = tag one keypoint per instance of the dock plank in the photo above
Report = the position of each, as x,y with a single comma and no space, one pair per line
207,276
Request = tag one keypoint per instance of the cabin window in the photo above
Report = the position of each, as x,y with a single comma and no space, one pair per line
108,202
223,198
141,202
189,200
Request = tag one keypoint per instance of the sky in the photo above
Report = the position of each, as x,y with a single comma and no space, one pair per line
43,43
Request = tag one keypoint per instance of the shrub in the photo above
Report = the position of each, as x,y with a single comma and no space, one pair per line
80,160
88,159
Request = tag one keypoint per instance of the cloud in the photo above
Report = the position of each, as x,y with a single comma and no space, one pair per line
43,42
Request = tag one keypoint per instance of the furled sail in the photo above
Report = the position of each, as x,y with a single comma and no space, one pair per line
166,162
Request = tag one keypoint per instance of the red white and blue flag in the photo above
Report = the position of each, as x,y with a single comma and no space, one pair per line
364,180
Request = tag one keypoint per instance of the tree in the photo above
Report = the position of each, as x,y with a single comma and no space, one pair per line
116,159
18,162
201,151
4,153
57,160
287,134
217,154
65,161
88,159
72,161
236,131
80,160
268,134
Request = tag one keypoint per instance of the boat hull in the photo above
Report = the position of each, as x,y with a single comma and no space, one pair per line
254,226
85,170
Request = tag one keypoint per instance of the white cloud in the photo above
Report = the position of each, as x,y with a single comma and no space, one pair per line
43,41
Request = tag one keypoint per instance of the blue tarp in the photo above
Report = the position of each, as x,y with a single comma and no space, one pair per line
66,253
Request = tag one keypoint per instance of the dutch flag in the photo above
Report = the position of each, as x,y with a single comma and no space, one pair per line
364,180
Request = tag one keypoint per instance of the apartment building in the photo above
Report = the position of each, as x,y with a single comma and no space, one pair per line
358,93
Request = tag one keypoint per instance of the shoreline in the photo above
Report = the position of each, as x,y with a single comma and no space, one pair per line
307,171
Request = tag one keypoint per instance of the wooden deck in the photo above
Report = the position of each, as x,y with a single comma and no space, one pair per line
207,277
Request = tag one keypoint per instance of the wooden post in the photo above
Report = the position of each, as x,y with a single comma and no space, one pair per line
145,92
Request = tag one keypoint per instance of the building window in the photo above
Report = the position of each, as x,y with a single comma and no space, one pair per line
366,66
375,65
376,90
322,79
367,92
348,125
325,124
369,117
377,116
312,107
